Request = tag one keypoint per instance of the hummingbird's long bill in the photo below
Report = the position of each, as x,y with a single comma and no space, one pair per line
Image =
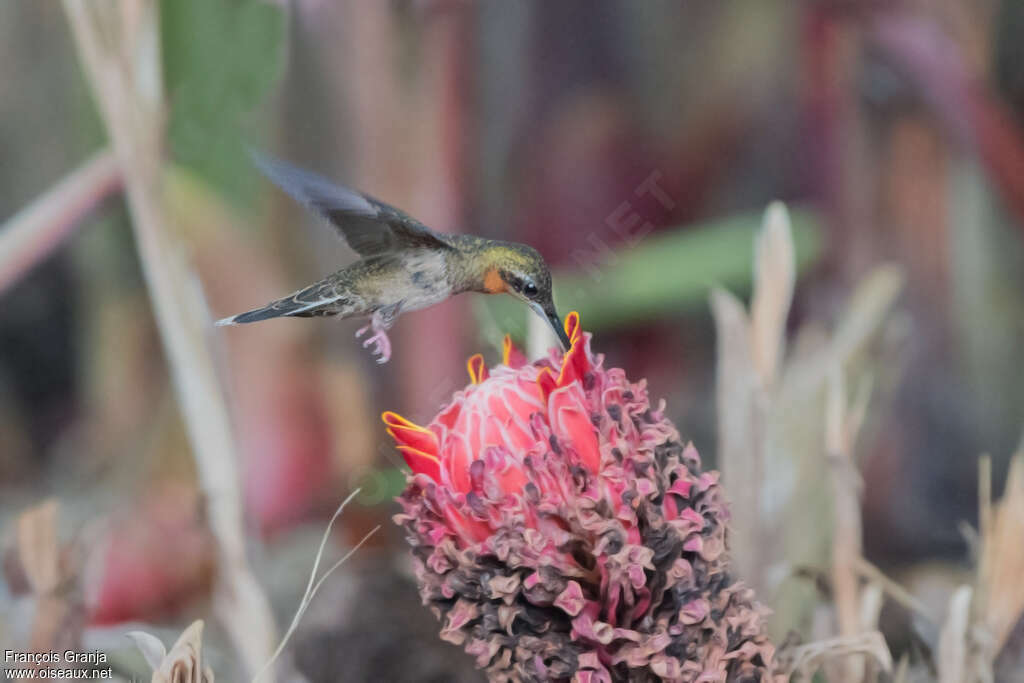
556,323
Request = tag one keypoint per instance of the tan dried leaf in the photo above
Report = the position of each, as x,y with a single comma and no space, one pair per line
735,381
805,660
902,670
867,308
737,397
183,664
951,654
1003,559
38,549
774,279
735,385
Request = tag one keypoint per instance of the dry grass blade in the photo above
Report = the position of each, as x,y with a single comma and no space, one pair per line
774,279
951,656
313,585
1002,563
735,381
183,664
868,306
898,593
807,659
976,542
902,672
741,421
846,540
871,600
840,435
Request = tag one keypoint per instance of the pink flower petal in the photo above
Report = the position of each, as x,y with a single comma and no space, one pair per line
571,600
570,422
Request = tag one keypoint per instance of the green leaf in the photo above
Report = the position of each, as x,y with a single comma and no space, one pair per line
220,58
666,274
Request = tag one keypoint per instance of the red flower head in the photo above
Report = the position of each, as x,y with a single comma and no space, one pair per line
562,530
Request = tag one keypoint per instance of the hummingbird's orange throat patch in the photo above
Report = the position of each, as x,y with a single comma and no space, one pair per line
493,283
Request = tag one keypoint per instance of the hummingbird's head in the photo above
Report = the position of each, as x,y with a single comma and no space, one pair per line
521,271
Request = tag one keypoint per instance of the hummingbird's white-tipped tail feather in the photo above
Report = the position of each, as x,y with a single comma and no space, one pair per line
306,303
225,321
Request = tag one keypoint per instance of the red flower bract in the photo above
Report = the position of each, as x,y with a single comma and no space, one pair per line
491,420
563,532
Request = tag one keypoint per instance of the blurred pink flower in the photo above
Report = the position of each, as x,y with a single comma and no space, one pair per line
562,531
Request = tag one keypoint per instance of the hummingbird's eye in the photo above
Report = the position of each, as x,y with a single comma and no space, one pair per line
530,289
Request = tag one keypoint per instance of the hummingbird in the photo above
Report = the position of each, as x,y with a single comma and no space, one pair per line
404,265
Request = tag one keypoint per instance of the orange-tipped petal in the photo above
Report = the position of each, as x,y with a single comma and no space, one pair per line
574,365
409,434
572,326
421,463
477,369
546,383
511,356
575,362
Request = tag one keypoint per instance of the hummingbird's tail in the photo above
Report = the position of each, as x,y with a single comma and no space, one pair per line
316,300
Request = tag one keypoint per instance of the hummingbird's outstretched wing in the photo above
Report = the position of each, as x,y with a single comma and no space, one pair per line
369,226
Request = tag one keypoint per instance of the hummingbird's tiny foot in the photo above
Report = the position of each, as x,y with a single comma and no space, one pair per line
361,331
380,342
